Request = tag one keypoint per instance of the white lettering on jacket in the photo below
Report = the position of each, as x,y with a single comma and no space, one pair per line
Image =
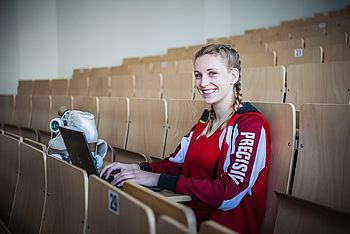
243,154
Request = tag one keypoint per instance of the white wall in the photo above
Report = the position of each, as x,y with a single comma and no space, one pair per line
9,50
43,39
37,39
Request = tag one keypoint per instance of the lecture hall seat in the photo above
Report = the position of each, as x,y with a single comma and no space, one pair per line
266,84
282,122
30,198
67,197
322,175
112,210
161,205
9,167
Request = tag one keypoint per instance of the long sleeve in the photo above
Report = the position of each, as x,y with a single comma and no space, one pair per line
244,156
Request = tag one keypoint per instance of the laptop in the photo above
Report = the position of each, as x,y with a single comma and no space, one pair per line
78,150
80,154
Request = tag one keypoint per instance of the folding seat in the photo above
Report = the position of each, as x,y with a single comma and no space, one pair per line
251,48
280,35
122,85
287,44
164,67
25,87
292,22
22,117
306,32
315,30
114,123
296,215
183,66
86,104
35,144
296,31
178,85
67,197
265,84
119,70
255,31
140,69
166,224
319,201
147,129
81,73
9,168
131,60
282,122
42,87
99,72
7,106
178,53
152,59
41,108
78,87
329,39
148,86
59,87
258,59
336,52
300,56
339,25
182,116
244,39
251,36
321,174
99,82
162,205
31,191
318,83
112,210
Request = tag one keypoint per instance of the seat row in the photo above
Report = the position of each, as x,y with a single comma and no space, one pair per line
180,60
299,84
167,85
282,52
47,195
320,168
148,123
296,42
316,82
314,26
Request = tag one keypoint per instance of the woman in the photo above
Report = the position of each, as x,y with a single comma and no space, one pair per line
222,163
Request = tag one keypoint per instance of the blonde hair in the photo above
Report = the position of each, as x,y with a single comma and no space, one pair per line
232,60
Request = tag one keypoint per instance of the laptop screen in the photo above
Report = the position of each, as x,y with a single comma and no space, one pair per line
78,150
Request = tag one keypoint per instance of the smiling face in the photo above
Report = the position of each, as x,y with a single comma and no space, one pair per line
213,80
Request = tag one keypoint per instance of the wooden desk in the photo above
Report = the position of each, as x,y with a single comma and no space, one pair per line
174,196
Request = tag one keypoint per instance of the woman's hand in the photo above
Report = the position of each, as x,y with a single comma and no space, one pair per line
138,176
107,170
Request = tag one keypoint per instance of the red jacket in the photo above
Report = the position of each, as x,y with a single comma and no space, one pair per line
234,192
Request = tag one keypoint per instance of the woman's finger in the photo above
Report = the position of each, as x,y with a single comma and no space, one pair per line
105,169
122,176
